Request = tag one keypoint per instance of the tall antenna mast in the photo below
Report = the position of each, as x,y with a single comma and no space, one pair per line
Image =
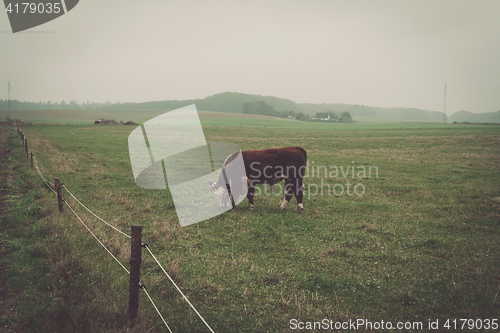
444,112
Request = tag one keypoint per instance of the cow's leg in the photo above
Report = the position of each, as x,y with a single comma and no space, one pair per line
230,196
288,194
251,190
299,195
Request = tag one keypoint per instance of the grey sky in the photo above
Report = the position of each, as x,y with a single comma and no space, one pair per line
378,53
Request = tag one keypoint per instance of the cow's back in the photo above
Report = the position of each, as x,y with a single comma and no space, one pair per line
274,161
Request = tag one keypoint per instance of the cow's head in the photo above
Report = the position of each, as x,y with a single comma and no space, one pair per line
222,194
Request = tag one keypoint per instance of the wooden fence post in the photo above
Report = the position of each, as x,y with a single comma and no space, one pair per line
57,184
135,268
26,147
31,159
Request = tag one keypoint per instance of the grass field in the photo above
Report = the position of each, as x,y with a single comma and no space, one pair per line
420,243
208,118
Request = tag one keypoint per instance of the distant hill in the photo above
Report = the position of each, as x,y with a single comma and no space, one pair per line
232,102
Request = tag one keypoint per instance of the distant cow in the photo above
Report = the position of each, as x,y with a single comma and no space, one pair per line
97,122
267,166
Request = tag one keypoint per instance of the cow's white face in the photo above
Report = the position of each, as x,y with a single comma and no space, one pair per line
221,193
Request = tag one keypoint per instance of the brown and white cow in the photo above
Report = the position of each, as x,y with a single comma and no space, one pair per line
267,166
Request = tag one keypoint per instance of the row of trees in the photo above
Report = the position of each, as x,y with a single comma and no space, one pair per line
72,105
332,117
262,108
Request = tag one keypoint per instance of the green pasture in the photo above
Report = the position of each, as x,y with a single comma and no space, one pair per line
420,243
210,118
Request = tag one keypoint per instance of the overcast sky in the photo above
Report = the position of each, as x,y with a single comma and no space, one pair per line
377,53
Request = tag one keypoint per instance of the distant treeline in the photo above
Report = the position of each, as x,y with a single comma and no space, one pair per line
233,102
262,108
72,105
332,117
469,117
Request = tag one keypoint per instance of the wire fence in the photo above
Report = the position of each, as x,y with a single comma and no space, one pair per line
53,188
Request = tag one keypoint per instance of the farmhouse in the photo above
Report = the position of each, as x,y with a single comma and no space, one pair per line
322,116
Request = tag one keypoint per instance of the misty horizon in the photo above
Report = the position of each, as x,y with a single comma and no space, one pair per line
232,102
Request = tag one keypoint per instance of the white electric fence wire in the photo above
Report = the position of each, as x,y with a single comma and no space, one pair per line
178,289
91,212
36,167
41,175
46,183
96,237
156,309
43,178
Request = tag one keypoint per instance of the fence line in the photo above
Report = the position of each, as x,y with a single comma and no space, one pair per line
41,175
128,272
49,185
39,171
91,212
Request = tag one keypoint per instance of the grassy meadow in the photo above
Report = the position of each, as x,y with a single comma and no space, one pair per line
420,243
208,118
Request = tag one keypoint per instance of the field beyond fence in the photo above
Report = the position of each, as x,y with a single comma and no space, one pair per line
419,245
215,119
